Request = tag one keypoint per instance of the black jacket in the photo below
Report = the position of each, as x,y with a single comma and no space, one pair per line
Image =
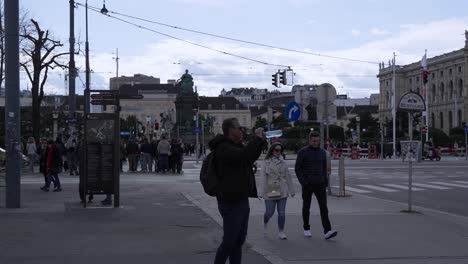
234,167
311,166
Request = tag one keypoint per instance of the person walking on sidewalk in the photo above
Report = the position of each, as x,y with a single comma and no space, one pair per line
31,149
311,171
275,187
164,148
52,166
233,163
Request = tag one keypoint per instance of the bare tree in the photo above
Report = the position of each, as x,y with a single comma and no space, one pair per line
40,52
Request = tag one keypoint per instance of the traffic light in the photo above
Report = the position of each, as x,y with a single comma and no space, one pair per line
156,126
283,78
275,80
425,75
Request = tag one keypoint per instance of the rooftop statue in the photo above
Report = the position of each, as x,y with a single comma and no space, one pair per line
186,83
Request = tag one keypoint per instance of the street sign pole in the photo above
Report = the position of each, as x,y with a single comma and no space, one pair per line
410,102
410,179
466,143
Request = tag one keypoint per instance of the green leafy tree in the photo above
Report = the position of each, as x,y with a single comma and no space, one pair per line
260,122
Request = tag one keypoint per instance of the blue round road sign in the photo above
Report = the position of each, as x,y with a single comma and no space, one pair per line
293,111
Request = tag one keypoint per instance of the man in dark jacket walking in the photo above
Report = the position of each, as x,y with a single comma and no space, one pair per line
311,171
236,184
52,166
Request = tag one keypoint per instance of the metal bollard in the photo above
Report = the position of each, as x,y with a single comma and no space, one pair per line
341,177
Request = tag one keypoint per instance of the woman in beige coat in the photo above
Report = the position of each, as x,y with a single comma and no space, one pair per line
275,187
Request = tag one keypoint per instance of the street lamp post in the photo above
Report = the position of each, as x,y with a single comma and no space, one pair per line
55,130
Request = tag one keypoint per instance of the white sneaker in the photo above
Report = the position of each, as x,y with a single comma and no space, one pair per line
307,233
282,235
330,234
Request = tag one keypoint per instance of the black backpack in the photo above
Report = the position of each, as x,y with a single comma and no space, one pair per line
208,177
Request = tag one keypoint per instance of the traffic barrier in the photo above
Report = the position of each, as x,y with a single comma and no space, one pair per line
372,152
355,153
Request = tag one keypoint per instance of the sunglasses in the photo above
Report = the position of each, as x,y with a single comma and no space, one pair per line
277,150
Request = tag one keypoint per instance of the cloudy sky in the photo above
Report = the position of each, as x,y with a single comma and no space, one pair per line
364,30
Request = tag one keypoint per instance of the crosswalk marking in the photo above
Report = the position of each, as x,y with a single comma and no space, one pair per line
464,182
403,187
356,190
431,186
383,189
451,184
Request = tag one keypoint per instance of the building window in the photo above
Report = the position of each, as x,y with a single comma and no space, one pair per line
460,88
209,106
417,79
459,117
459,69
433,94
386,83
417,90
441,73
433,75
441,119
450,71
410,80
387,100
450,119
237,106
223,107
451,90
442,91
432,120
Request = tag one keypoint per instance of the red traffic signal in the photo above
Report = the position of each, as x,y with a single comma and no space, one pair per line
425,75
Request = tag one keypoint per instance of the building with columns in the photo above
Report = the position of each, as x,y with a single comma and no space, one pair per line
447,87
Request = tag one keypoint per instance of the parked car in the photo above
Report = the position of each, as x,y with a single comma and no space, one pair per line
24,165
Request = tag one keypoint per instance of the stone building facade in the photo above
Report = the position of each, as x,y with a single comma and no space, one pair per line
447,88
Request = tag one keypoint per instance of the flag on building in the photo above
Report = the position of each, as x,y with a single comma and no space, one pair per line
424,62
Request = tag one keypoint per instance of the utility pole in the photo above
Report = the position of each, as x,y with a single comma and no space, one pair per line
394,105
197,127
12,106
381,139
116,58
87,88
72,69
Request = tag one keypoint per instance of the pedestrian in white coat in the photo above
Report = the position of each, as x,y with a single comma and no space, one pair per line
275,187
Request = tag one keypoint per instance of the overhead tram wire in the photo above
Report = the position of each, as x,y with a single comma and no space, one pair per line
186,41
237,40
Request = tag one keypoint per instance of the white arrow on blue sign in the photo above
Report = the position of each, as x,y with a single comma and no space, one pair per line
293,111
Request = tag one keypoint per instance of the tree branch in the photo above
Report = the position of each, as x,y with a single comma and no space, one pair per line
27,71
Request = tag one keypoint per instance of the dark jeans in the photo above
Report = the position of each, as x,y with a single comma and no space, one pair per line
163,162
235,224
321,195
53,177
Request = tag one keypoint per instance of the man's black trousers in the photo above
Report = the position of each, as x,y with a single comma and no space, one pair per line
235,224
321,194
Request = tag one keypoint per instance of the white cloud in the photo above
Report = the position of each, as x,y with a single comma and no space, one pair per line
311,21
377,31
221,71
355,32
